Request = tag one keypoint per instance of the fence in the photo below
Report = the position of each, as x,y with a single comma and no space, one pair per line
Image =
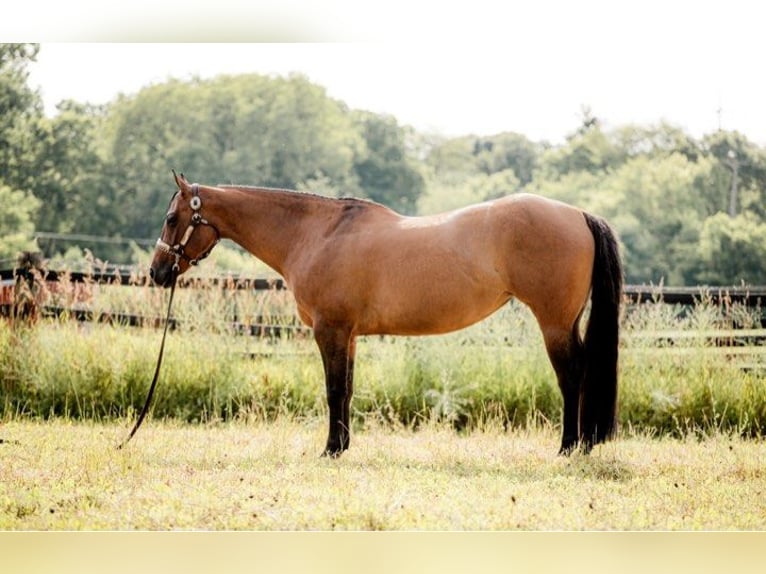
12,304
20,297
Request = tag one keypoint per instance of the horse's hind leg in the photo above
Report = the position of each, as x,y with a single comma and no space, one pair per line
565,352
337,347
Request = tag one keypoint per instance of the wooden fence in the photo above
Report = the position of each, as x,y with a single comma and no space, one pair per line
12,305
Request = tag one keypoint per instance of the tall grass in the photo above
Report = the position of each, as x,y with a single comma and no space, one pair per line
496,371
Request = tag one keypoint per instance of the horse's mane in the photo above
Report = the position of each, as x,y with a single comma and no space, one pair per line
307,194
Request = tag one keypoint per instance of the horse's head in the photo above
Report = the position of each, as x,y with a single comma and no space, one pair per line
186,236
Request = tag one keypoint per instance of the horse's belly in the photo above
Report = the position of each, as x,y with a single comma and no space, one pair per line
430,314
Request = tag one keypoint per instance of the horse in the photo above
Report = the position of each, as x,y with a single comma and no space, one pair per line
356,267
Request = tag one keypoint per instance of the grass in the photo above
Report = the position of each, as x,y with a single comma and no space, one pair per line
496,370
688,457
67,475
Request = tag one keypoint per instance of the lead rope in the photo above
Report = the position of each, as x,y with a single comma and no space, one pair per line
156,370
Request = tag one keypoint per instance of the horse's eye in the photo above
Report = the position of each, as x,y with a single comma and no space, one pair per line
171,219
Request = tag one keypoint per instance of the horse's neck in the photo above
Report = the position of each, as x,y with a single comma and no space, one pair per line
267,223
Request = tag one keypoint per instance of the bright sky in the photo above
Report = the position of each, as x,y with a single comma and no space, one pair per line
479,67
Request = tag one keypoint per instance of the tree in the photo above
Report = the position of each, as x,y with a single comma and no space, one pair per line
20,108
658,215
740,173
16,224
506,151
487,155
20,111
70,180
655,141
589,149
468,169
386,173
249,129
732,250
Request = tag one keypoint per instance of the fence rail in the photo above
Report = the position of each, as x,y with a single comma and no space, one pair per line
749,296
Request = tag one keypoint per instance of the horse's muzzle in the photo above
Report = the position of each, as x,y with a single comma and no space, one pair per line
162,276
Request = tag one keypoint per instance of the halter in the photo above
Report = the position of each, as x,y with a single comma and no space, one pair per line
177,250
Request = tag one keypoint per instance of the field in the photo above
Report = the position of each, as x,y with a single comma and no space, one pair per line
456,432
60,475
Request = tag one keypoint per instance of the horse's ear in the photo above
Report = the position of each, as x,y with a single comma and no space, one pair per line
180,179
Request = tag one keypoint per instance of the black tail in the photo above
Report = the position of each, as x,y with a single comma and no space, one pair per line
598,394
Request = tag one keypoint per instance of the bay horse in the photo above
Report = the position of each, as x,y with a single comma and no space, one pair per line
357,268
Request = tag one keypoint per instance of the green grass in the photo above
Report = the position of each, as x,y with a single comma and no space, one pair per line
673,381
494,371
62,474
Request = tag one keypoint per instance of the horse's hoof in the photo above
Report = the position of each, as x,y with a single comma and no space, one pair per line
568,446
581,447
566,450
331,453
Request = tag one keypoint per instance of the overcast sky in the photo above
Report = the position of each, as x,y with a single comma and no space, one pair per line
479,68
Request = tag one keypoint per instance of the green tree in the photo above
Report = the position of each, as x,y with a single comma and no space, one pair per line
385,171
250,129
653,204
741,164
507,151
732,250
20,108
451,158
491,154
70,181
468,169
656,210
589,149
655,141
16,224
20,113
584,189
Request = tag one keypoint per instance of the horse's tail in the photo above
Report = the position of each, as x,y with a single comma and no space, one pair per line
598,394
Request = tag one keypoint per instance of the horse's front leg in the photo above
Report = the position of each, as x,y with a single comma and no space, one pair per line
337,346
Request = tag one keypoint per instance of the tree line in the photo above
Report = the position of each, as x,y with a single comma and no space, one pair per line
687,210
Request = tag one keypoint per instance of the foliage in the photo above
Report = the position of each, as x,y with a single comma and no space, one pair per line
732,249
20,108
105,170
72,183
249,129
16,223
732,149
386,173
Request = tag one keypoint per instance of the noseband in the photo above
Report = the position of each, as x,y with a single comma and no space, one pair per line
178,250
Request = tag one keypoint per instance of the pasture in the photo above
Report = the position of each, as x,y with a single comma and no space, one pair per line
454,432
60,474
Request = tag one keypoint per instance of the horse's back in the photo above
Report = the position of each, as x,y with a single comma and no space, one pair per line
416,275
